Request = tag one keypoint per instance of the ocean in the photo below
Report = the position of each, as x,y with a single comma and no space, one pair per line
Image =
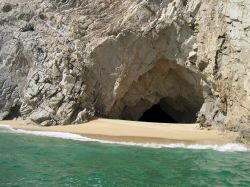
62,159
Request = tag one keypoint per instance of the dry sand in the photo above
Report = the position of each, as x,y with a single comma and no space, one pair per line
138,132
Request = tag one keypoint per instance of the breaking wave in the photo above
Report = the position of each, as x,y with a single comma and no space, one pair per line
229,147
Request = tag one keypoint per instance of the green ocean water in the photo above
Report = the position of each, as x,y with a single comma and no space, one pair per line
27,160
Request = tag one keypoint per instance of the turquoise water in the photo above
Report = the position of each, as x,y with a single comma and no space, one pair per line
27,160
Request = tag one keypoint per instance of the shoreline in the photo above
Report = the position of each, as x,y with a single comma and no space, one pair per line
136,132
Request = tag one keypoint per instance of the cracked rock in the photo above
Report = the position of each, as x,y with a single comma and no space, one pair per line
67,61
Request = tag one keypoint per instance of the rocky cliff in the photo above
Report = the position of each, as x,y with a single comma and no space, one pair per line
65,61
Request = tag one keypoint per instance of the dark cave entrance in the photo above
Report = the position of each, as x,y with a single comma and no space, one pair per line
14,112
156,114
167,93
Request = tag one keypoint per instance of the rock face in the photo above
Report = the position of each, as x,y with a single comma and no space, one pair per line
65,61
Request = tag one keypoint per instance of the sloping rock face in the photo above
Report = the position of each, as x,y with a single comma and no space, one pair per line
66,61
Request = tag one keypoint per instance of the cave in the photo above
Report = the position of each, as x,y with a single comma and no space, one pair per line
156,114
168,92
14,113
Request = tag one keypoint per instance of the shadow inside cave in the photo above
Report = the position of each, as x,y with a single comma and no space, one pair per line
156,114
167,93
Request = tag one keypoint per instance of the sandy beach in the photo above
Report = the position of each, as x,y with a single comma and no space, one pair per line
133,131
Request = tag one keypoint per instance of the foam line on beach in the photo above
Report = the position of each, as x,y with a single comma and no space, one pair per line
229,147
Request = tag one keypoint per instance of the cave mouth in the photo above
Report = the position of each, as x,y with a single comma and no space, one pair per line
168,93
14,113
156,114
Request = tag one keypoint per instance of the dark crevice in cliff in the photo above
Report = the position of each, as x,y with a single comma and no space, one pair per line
14,112
166,93
156,114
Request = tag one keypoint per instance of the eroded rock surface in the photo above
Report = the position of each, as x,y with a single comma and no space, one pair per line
67,61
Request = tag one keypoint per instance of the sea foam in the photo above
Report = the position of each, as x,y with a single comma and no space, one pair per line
229,147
